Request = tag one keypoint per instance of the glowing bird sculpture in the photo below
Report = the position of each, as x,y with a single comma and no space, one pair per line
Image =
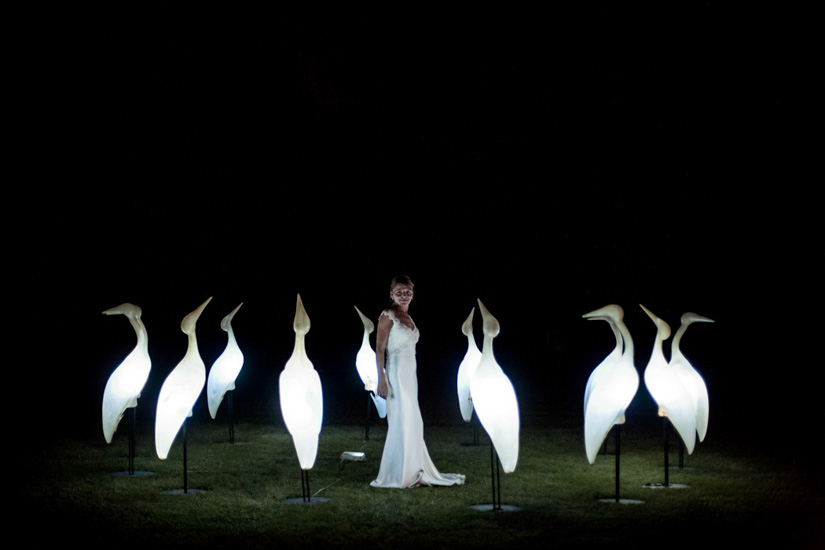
494,398
365,365
128,379
181,388
667,389
299,386
226,367
613,389
690,377
467,369
604,369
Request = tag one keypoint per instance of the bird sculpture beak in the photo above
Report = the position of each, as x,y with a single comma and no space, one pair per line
369,326
660,323
611,311
301,322
691,317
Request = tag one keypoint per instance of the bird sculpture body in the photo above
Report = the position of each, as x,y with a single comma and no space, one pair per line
127,381
301,397
365,365
226,367
604,369
467,369
689,376
181,388
613,389
494,398
667,389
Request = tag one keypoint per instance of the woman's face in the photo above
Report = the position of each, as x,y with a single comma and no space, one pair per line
402,294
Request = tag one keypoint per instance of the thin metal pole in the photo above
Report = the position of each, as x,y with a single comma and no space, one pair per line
132,423
498,482
305,496
231,406
617,431
666,425
185,480
495,477
681,454
367,418
493,474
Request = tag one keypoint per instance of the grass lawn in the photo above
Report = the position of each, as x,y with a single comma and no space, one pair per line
733,494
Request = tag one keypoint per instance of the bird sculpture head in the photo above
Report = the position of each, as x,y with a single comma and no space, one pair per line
691,317
129,310
301,322
662,327
612,311
226,322
369,326
190,321
467,326
490,325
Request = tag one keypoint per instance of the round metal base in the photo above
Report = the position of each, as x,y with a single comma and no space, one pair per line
182,492
621,501
300,500
133,474
493,508
663,486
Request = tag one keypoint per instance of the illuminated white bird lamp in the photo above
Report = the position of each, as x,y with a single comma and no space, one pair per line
663,383
674,401
181,389
365,366
690,377
224,372
127,381
601,412
302,402
603,370
611,393
614,385
496,406
467,369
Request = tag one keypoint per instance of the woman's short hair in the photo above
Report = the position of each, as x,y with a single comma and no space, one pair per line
401,280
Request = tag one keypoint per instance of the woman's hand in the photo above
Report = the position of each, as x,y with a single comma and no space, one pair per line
383,390
382,335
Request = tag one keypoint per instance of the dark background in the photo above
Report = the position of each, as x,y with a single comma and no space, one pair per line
547,162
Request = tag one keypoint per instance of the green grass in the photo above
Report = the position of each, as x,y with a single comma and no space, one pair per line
734,495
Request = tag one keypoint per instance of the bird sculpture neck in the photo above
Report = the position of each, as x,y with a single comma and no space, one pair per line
628,341
140,329
142,335
230,336
616,332
677,338
299,349
192,347
658,352
487,346
471,341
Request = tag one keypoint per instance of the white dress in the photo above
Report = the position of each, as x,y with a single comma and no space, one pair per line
406,462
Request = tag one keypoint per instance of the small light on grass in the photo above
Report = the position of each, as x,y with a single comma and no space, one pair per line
353,456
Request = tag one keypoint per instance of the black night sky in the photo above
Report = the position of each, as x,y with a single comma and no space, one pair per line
547,162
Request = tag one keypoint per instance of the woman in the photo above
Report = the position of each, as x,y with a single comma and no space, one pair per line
405,462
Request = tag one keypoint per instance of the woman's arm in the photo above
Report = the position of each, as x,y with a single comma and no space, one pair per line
382,334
